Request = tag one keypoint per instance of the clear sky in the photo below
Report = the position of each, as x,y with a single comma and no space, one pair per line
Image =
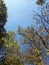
19,13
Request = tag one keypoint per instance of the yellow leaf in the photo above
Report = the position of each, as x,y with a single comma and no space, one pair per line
47,51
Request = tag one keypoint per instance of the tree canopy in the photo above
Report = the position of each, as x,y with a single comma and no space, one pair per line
37,39
40,2
12,52
3,19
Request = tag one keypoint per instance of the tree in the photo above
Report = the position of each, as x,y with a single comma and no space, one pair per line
3,19
40,2
3,13
12,52
38,40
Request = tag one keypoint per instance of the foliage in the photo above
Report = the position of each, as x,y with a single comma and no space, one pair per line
38,40
40,2
12,52
3,19
3,13
33,53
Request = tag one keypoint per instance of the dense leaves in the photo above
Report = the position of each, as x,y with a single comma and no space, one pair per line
34,52
3,13
12,51
3,19
40,2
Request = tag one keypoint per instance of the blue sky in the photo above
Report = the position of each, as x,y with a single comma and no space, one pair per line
19,13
